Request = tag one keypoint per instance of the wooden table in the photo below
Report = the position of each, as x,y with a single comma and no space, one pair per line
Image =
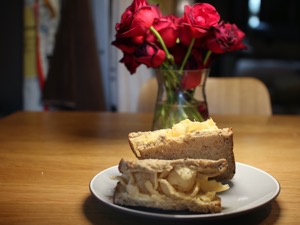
48,160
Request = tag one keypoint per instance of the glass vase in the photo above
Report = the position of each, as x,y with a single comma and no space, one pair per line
181,95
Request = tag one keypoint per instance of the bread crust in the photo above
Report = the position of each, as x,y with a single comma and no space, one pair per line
199,144
122,198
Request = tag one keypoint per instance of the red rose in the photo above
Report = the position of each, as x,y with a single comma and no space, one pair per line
225,38
167,28
195,60
191,79
197,20
125,44
147,37
148,54
137,19
130,62
134,7
178,51
136,4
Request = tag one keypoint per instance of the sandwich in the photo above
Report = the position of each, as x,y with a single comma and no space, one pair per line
182,184
187,139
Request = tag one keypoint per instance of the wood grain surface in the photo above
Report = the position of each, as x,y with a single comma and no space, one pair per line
49,158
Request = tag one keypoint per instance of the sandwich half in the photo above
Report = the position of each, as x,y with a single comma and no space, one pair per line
182,184
187,139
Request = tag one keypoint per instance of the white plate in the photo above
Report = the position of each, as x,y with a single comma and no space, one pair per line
250,189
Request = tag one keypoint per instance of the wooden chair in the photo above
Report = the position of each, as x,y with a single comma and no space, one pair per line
225,95
237,95
147,96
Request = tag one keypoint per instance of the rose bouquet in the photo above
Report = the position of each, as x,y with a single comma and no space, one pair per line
175,44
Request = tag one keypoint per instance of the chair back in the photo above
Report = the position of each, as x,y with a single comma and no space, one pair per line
147,96
225,95
237,95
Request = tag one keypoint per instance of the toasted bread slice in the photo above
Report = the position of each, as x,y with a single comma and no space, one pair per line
187,139
182,184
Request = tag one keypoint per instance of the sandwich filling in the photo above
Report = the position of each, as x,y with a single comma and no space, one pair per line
178,130
180,182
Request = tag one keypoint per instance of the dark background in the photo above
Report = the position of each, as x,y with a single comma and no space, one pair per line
273,53
11,54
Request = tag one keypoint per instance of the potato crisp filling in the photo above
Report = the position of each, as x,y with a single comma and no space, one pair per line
178,183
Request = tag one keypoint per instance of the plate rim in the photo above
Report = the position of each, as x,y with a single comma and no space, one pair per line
183,216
